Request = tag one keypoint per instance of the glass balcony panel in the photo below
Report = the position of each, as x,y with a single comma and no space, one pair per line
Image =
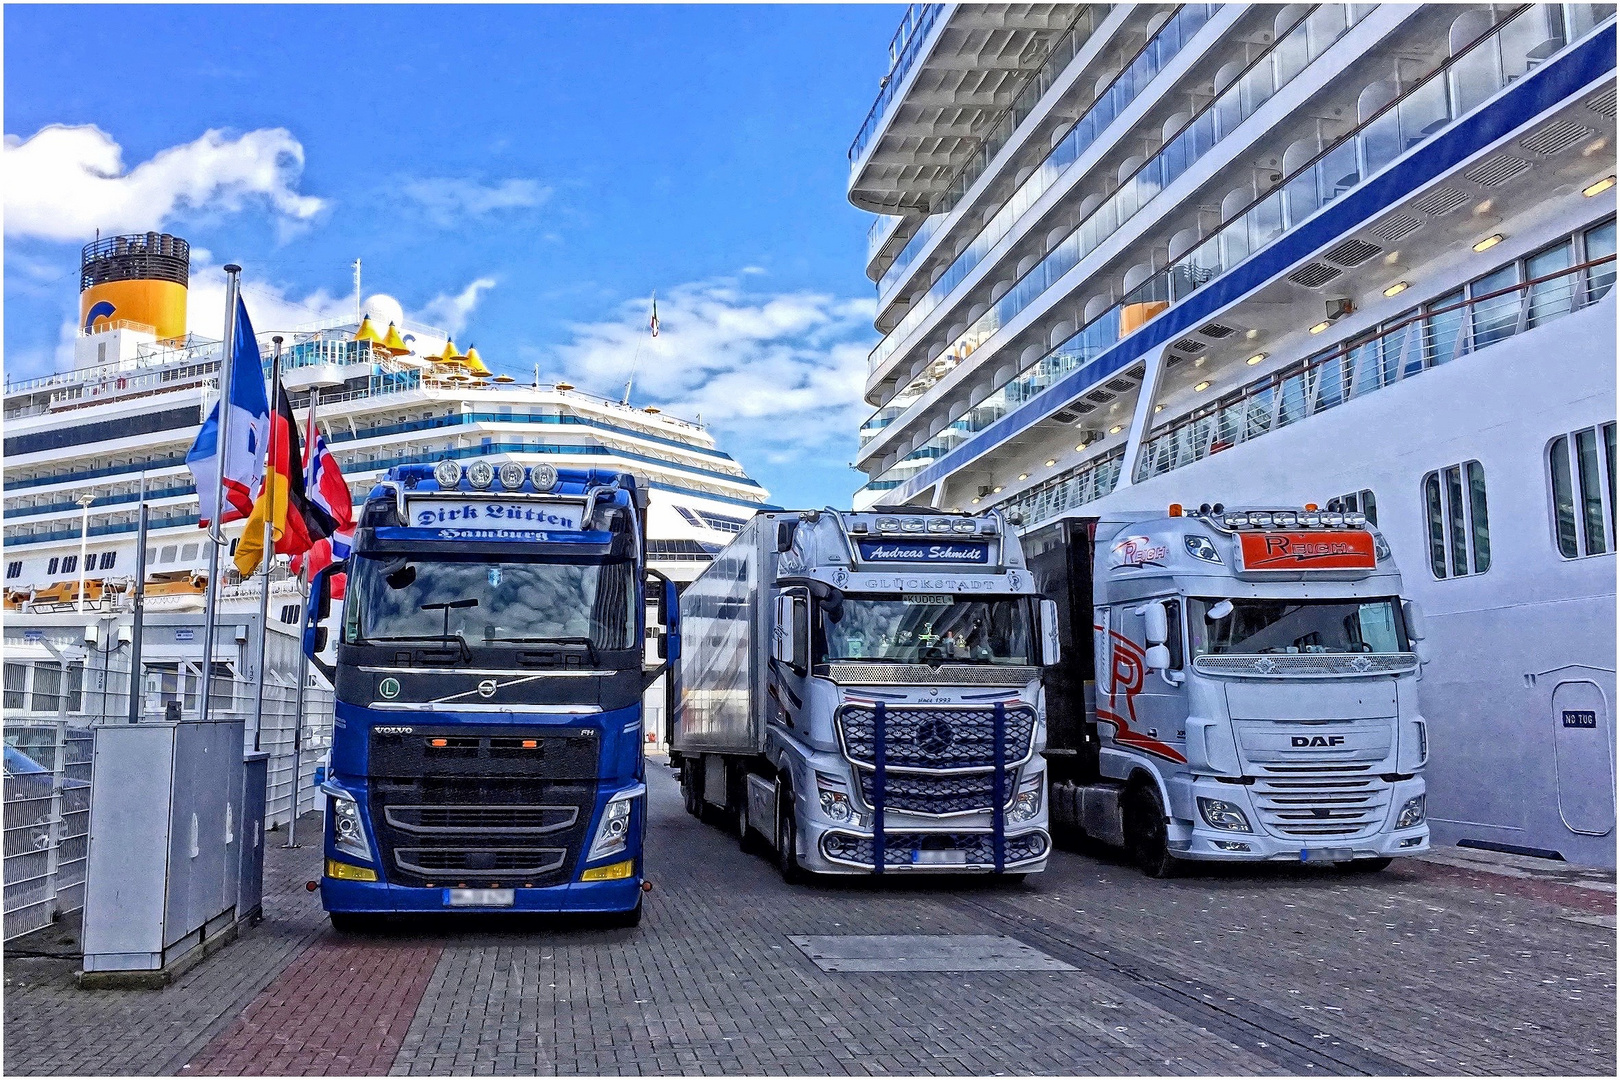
1300,196
1381,141
1339,170
1475,76
1323,27
1256,89
1265,221
1423,112
1442,331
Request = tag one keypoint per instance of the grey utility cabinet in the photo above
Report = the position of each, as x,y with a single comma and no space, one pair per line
167,837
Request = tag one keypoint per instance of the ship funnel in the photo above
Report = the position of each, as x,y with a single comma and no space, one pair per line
138,279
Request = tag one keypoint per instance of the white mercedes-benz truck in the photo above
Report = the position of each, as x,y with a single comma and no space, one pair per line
862,691
1235,685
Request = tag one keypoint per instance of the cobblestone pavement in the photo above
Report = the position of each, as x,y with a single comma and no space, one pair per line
1463,963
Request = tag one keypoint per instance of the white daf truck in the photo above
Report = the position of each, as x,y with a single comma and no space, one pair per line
1235,685
863,692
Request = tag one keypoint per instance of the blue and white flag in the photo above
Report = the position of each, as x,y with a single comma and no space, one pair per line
249,431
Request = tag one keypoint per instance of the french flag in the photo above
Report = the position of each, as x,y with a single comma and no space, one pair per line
325,487
249,431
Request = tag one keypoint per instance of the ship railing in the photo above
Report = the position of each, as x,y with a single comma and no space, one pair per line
102,326
1500,55
918,20
1372,361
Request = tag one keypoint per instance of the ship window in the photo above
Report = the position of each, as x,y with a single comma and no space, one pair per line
1498,317
70,563
54,564
1357,502
1599,244
1581,468
1553,298
107,559
167,555
14,569
1458,524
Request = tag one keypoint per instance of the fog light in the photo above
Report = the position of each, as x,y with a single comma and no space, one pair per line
1230,845
1221,814
612,872
1411,813
342,871
1027,803
1411,841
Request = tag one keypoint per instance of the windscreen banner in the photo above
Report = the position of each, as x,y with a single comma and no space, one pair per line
494,519
1347,550
924,551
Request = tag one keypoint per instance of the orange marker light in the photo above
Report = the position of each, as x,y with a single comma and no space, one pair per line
1311,507
530,744
1175,509
438,742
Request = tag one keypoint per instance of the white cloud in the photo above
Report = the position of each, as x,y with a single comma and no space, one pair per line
775,375
452,312
65,182
446,200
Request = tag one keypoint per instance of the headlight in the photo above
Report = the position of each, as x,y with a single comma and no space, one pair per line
834,799
1201,547
1027,803
613,833
348,831
1221,814
1411,814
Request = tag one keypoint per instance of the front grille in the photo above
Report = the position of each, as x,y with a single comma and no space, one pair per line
898,847
950,794
480,831
515,820
864,673
935,738
1285,665
481,863
1338,804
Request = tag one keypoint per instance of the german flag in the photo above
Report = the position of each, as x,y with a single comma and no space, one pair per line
296,521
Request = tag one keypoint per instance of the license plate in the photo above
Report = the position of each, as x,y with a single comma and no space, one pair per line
938,858
1326,854
478,897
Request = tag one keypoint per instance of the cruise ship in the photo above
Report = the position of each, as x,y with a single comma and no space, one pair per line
84,446
1353,254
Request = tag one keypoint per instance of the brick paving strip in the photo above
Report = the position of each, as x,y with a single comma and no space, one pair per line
340,1009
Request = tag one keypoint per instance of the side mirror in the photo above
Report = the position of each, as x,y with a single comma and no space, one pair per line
1158,658
321,592
1156,624
661,645
320,639
1415,630
1218,611
1051,651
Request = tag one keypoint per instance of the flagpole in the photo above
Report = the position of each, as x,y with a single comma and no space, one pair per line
216,533
267,555
303,659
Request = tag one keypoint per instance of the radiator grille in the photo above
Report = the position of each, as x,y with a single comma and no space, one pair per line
511,820
979,848
951,794
1337,804
1285,665
482,863
935,738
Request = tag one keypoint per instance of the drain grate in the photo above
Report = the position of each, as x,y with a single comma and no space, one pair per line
847,953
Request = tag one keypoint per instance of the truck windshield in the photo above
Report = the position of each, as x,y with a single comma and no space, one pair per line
473,602
928,628
1295,626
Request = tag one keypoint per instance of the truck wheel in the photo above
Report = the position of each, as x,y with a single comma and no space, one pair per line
1146,836
349,922
690,796
787,831
1363,866
747,839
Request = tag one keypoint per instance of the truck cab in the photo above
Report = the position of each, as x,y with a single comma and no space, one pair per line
1240,685
487,743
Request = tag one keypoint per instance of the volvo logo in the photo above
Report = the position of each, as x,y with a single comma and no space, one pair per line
934,736
389,687
486,688
382,729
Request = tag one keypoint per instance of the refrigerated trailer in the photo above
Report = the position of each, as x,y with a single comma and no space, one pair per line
1235,685
861,693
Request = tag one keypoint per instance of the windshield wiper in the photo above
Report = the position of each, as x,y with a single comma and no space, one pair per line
441,639
590,646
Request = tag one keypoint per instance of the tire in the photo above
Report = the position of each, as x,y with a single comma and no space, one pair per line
350,922
747,839
625,920
690,796
787,829
1146,835
1363,866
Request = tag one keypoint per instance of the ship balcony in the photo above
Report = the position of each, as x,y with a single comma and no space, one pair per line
954,69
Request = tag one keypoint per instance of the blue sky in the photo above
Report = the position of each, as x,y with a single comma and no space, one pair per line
524,176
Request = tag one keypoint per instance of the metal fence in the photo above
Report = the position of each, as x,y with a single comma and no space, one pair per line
49,729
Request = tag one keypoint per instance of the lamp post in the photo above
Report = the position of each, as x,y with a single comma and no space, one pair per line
84,502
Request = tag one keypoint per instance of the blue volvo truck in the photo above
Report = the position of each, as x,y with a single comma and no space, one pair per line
489,664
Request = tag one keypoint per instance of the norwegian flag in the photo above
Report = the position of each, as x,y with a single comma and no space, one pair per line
325,487
653,323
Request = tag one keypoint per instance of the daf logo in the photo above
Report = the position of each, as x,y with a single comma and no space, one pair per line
389,687
392,730
1317,740
486,688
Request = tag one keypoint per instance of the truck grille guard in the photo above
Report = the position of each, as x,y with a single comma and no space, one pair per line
880,769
